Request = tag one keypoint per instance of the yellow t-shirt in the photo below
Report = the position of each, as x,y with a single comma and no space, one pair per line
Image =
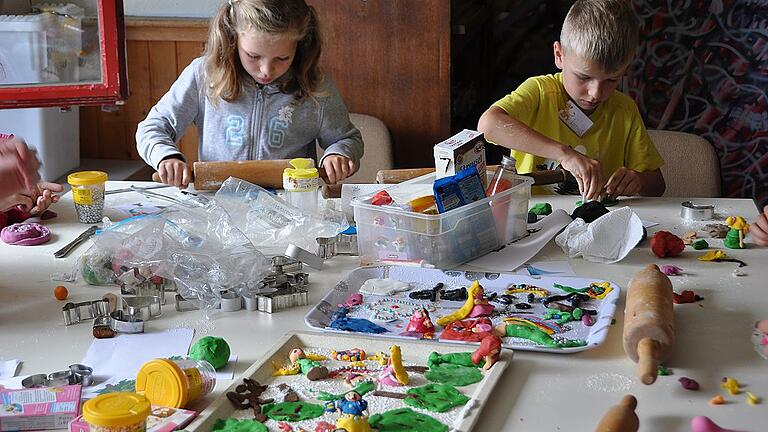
617,137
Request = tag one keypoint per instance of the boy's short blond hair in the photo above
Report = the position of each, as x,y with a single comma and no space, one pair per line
602,31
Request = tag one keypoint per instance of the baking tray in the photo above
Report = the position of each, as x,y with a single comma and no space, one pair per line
420,278
461,418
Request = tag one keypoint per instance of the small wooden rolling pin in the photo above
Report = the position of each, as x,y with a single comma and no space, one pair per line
649,325
265,173
621,417
545,177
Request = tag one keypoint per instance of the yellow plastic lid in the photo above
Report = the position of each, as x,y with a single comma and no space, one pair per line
86,178
163,382
116,409
303,168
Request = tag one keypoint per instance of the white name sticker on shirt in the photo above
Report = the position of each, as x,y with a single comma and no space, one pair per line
575,119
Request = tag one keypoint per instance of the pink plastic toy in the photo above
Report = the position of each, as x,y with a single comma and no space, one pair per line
704,424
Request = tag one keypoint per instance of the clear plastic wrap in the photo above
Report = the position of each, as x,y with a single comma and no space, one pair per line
271,224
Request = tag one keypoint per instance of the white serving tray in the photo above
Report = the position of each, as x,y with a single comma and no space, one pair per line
420,278
413,353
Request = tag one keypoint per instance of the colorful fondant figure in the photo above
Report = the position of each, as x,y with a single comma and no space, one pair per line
394,373
420,324
352,404
738,229
306,364
489,350
475,306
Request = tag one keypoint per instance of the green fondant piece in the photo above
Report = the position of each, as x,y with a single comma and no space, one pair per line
461,359
234,425
453,374
435,397
578,204
292,411
362,388
731,240
702,244
307,365
563,317
214,350
405,420
541,209
577,314
663,371
608,201
540,337
569,290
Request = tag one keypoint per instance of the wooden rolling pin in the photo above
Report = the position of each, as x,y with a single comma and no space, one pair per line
265,173
545,177
621,417
649,325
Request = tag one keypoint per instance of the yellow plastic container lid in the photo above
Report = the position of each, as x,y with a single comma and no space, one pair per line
303,168
164,383
116,409
87,178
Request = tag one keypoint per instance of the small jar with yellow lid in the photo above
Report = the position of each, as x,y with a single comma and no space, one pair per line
88,194
301,184
175,383
117,412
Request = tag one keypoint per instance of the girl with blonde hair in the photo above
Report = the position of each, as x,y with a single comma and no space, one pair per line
256,93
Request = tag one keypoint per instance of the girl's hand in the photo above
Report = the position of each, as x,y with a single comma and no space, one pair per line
759,230
624,182
19,200
18,167
174,172
338,168
43,196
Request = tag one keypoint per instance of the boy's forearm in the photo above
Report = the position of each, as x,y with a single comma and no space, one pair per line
652,183
501,129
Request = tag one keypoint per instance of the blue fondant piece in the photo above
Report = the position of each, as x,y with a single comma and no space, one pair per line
359,325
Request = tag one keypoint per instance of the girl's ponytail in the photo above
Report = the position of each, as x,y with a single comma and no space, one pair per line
222,64
307,73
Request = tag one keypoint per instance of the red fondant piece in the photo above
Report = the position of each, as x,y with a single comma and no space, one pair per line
381,198
666,244
686,296
466,330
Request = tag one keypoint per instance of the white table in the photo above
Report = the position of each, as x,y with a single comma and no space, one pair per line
540,392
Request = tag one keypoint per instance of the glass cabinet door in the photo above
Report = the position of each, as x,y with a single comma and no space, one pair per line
62,54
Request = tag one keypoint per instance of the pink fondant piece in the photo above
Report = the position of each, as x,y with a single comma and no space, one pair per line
25,234
704,424
481,310
671,270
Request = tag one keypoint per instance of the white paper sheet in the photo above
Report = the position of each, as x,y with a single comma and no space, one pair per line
519,252
121,357
9,368
608,239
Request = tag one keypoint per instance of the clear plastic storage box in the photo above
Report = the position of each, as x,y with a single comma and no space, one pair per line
446,240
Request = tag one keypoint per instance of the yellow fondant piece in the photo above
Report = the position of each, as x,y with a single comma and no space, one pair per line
523,321
353,423
752,399
731,386
713,255
605,285
281,371
397,365
465,310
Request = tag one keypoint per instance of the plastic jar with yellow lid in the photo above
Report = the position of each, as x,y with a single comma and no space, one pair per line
117,412
175,383
88,194
301,184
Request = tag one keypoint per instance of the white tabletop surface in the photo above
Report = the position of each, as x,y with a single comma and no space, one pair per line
539,392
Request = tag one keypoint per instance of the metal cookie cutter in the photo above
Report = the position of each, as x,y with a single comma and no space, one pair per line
75,374
696,212
304,256
124,323
77,312
143,307
285,287
231,301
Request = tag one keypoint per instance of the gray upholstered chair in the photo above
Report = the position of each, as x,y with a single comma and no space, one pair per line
378,148
691,167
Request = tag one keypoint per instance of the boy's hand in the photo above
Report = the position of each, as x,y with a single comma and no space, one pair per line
18,167
174,172
337,168
587,173
624,182
759,229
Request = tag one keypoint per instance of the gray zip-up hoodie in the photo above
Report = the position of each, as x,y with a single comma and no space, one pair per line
263,123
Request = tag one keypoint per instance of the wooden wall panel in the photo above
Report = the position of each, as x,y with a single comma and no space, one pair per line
390,59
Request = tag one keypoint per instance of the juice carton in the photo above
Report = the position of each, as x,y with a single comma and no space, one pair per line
460,151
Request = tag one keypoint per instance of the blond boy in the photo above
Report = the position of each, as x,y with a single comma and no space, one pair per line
576,116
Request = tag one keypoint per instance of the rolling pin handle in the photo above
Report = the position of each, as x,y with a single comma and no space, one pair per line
648,360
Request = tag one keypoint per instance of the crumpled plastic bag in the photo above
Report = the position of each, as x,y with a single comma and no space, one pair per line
271,224
606,240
